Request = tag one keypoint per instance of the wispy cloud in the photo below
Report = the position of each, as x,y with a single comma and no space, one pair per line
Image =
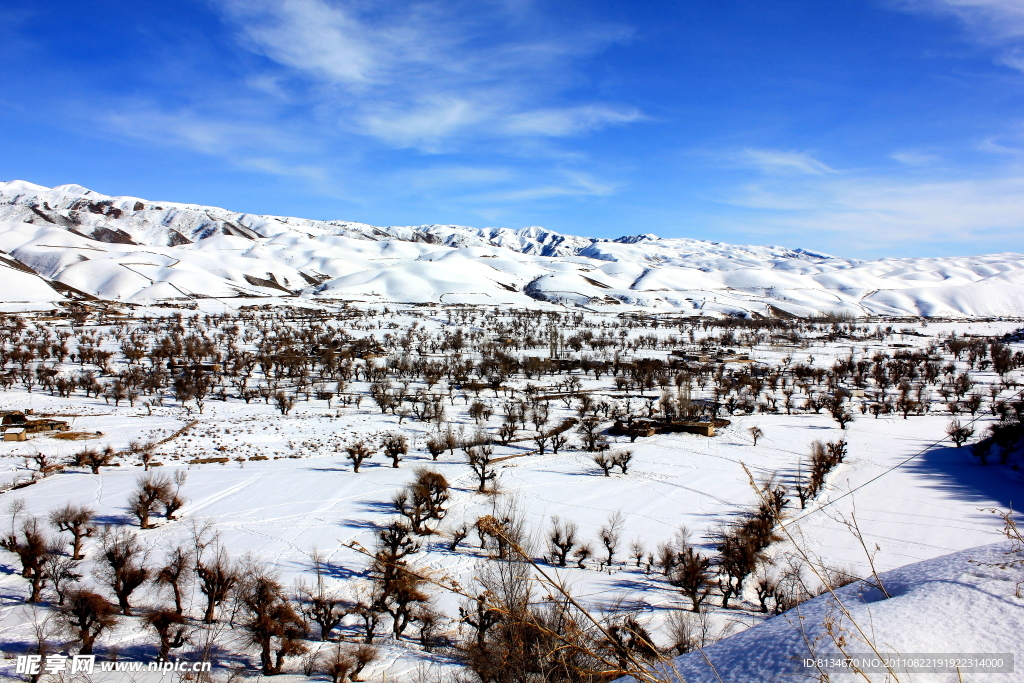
573,185
994,22
776,161
423,74
988,19
882,211
913,157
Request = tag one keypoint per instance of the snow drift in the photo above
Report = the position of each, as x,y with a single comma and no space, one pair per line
957,603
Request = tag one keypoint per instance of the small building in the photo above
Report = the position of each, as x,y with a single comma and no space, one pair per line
16,434
16,418
13,417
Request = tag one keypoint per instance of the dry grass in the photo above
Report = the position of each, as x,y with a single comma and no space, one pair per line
77,436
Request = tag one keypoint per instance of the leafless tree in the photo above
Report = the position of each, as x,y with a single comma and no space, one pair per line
637,550
217,576
583,553
284,402
692,576
479,460
77,521
395,445
621,459
958,433
171,628
561,539
33,548
176,574
318,604
62,573
610,533
269,619
357,452
85,615
122,565
457,535
150,491
145,451
94,458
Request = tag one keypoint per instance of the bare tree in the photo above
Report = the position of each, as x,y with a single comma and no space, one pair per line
173,500
621,459
395,445
589,429
605,462
270,620
337,665
958,433
284,402
151,490
43,631
692,575
171,629
561,539
176,574
583,553
558,440
77,521
755,433
217,576
62,573
122,565
610,533
94,458
145,452
689,631
33,548
348,661
318,604
85,615
479,460
357,452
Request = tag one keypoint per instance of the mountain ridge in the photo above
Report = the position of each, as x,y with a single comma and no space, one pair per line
137,250
531,239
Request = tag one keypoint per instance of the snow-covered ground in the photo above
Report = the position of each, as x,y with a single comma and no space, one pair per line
288,490
957,610
136,250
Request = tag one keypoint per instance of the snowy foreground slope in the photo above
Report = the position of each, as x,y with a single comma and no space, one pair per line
955,604
70,241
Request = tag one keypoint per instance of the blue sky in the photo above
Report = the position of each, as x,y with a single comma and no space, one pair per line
859,127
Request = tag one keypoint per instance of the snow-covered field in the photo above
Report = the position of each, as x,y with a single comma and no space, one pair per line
70,241
287,488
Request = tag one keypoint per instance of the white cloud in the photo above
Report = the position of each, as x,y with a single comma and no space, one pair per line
911,157
877,211
425,125
574,185
988,19
994,22
422,73
776,161
1013,58
568,121
202,132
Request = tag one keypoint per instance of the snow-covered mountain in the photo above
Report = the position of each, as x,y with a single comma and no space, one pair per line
71,241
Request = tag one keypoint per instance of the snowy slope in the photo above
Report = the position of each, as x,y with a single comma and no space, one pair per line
956,603
136,250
